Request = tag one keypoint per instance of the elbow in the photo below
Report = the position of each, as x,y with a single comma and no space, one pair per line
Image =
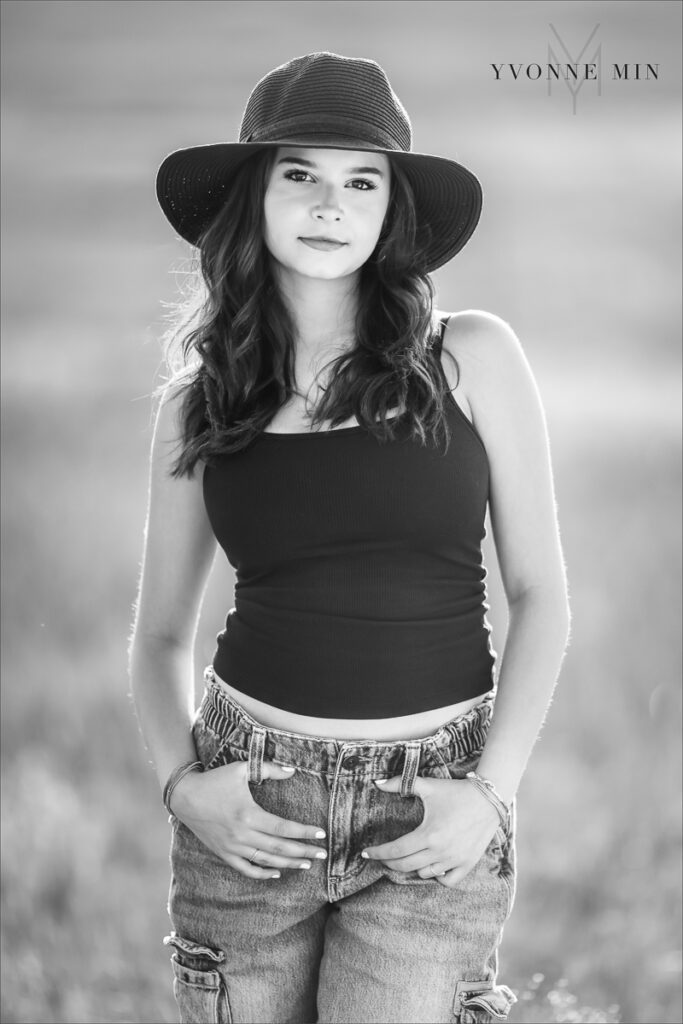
563,619
159,633
548,601
148,649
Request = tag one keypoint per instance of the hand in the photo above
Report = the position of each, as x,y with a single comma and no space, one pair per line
457,827
219,808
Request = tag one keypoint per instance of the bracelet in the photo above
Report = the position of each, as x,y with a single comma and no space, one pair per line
174,778
487,789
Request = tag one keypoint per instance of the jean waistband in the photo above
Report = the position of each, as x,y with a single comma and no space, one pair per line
454,741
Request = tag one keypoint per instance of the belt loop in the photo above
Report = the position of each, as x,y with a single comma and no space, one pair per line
410,766
256,747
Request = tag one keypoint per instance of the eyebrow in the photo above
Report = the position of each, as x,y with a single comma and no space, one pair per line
309,163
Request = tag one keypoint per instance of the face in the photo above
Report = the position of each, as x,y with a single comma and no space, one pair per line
324,209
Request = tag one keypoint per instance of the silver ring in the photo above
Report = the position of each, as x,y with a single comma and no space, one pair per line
251,859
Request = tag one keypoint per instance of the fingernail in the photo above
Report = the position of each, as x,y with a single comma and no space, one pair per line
381,782
321,855
287,768
320,834
365,856
306,864
276,874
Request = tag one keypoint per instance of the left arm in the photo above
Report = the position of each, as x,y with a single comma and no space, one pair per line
507,412
497,390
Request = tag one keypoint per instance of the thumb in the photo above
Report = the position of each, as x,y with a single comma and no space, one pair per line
389,785
273,770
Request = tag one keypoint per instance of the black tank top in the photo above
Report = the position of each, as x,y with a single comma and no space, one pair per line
360,587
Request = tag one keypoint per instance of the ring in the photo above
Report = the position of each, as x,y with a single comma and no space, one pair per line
434,873
251,859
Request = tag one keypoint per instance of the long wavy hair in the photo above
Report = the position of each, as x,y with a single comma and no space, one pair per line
237,336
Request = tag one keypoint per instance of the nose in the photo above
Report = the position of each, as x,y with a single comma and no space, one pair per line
328,208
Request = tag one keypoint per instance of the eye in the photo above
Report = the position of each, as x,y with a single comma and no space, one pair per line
297,175
363,184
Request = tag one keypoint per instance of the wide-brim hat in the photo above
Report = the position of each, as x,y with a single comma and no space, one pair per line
328,101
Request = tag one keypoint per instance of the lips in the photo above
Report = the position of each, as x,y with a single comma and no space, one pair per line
323,244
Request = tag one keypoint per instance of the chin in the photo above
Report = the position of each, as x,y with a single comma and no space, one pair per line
334,275
327,273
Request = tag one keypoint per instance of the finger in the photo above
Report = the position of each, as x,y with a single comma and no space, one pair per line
250,870
287,854
434,870
273,825
393,785
415,862
275,770
269,860
454,876
406,846
292,853
265,859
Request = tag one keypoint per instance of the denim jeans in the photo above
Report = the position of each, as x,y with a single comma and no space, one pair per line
349,940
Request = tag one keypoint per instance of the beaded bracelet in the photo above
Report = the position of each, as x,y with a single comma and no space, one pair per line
487,789
174,778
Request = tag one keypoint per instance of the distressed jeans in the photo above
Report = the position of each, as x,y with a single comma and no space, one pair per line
350,940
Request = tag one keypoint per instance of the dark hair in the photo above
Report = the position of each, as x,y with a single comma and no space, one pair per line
237,338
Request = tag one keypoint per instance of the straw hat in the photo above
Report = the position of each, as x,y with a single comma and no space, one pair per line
329,101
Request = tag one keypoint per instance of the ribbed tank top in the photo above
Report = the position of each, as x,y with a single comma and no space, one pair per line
360,586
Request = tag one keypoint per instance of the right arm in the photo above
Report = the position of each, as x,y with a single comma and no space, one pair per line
178,551
179,548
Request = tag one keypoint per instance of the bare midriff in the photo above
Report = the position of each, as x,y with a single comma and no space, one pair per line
405,727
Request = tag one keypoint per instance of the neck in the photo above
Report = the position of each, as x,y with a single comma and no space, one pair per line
323,312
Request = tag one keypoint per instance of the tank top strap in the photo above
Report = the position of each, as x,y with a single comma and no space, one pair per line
438,341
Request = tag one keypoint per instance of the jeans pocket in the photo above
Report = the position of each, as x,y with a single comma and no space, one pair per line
478,1002
407,877
400,816
213,750
507,855
500,860
502,846
457,768
198,985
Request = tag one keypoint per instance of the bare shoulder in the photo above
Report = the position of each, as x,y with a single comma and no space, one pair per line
480,339
168,420
170,412
491,362
179,542
508,414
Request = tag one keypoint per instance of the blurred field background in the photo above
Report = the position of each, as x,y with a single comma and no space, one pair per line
578,248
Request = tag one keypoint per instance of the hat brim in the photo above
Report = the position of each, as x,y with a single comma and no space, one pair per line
192,186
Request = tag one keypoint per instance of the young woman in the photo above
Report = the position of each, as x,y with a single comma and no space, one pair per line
342,803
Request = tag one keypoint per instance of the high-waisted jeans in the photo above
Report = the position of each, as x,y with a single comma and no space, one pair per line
350,940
